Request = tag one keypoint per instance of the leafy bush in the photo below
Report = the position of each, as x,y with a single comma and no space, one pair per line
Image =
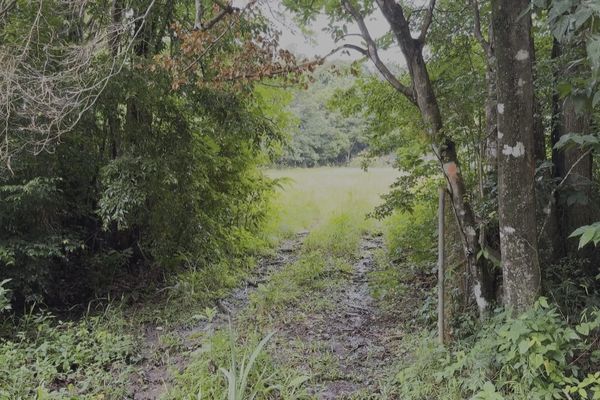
536,355
573,283
109,206
4,296
411,236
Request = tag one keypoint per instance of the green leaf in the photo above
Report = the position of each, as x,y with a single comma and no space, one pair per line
584,329
593,52
564,89
587,236
582,15
525,345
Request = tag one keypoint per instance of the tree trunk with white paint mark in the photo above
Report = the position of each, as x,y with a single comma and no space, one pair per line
516,157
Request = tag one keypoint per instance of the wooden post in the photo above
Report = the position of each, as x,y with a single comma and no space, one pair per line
441,262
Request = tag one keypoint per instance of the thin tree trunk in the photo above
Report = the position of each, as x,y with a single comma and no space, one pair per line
538,123
426,101
572,216
516,159
551,233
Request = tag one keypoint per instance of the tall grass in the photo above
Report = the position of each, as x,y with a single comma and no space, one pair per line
310,198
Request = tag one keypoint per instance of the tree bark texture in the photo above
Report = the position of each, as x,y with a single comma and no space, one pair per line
516,157
567,120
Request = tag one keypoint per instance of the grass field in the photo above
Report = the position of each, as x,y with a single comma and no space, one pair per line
309,198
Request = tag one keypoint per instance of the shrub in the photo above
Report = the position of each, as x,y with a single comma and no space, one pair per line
412,235
536,355
234,368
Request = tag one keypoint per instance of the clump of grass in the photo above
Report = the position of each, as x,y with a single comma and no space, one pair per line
232,367
339,236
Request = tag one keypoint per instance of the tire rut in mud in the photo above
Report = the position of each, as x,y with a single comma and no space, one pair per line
153,378
357,339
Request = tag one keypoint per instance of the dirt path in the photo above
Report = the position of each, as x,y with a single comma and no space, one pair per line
153,379
347,347
338,337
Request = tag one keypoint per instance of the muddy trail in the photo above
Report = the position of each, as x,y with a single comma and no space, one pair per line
343,348
354,341
153,378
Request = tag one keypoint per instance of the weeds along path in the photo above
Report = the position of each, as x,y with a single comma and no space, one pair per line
154,375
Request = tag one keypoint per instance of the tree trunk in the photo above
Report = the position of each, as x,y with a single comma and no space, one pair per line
491,119
538,123
566,120
572,216
516,158
426,101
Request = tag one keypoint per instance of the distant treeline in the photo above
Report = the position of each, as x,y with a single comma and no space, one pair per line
320,135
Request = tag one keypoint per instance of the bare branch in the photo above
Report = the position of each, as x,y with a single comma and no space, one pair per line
44,94
374,55
7,8
224,6
225,10
427,21
548,208
359,49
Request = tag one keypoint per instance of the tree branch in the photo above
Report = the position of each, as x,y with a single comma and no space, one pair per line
373,54
198,15
426,22
394,14
227,10
547,209
359,49
224,6
477,30
7,8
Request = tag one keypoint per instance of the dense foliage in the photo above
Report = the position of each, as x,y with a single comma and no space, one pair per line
160,170
133,136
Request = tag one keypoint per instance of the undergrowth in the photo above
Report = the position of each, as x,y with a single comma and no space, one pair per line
51,359
234,367
312,272
537,355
